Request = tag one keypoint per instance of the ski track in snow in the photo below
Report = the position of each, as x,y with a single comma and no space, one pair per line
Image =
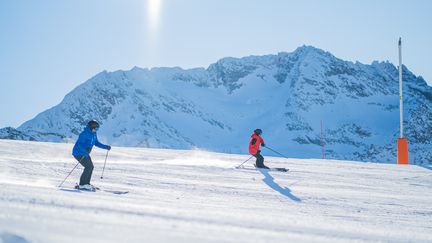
186,196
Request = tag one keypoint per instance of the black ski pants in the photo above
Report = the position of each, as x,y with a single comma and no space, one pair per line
88,169
259,161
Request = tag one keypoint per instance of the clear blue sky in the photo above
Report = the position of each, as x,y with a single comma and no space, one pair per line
48,47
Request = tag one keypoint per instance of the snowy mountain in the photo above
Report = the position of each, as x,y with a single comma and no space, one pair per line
12,133
197,196
287,95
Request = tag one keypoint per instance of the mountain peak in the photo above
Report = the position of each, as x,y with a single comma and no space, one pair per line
310,50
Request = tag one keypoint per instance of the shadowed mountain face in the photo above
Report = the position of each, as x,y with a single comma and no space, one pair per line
287,95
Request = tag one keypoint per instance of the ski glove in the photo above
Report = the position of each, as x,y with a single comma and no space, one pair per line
88,150
109,147
263,145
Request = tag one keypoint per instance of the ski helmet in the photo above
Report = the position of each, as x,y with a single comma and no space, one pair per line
258,131
93,124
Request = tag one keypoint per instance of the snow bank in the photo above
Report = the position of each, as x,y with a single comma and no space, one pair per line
186,196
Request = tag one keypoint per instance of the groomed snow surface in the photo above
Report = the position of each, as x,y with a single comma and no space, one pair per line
198,196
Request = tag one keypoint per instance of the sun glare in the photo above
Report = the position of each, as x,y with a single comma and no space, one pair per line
153,11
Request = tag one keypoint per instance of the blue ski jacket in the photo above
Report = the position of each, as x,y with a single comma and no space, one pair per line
85,142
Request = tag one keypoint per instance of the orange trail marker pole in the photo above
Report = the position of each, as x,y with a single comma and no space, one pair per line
402,143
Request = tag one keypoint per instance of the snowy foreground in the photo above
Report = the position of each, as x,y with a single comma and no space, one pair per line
196,196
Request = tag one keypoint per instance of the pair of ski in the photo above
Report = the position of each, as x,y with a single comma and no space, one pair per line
269,169
277,169
77,189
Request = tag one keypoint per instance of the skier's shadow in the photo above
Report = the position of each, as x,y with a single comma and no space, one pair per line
269,180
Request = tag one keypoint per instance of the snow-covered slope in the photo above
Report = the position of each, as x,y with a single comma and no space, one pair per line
287,95
196,196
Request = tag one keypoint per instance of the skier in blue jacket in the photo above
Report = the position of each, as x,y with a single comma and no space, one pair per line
81,152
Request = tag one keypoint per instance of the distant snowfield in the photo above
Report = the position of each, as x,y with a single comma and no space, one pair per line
197,196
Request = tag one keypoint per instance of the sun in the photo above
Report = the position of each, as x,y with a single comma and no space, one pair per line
153,12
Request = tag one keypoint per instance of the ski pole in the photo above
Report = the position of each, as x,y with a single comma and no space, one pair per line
71,172
106,157
276,152
244,162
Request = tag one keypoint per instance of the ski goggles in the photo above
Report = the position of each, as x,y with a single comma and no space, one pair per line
94,128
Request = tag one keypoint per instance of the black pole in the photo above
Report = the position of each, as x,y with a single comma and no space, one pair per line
276,152
244,162
104,164
70,172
